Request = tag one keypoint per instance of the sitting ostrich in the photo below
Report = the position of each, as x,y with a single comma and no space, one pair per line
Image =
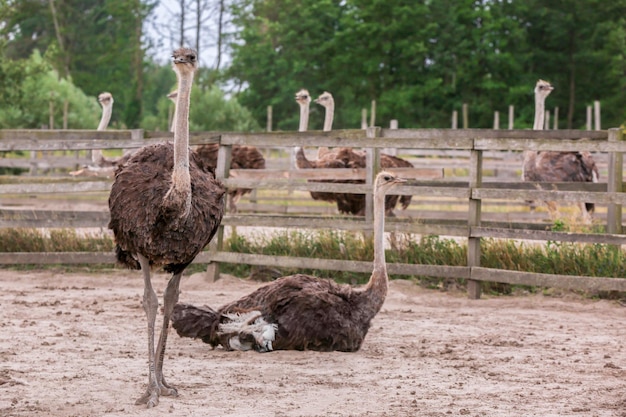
551,166
347,203
298,312
101,166
242,157
165,207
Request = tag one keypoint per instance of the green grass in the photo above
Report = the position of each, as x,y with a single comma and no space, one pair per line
551,257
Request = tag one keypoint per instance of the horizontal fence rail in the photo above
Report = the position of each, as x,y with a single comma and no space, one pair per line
433,152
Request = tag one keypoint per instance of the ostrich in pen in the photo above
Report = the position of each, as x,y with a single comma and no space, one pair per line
347,203
242,157
298,312
165,206
552,166
100,165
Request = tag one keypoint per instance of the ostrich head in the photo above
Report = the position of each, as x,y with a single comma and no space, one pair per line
325,99
172,96
543,89
303,97
185,60
105,99
386,180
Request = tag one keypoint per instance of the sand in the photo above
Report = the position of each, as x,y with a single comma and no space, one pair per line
74,344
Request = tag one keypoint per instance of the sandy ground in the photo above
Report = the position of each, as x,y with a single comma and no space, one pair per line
74,344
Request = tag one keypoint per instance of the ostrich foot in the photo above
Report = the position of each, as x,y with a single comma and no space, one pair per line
151,397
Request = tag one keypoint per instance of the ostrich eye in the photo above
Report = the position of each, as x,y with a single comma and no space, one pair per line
387,178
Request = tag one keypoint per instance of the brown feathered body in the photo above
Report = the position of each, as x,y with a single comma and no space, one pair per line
310,313
298,312
550,166
242,157
348,203
141,222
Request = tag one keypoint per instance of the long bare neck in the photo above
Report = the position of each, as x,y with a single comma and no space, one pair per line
540,111
376,288
304,117
174,116
328,118
179,195
107,109
540,106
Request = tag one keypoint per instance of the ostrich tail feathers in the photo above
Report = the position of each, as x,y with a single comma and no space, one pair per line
246,331
126,258
195,322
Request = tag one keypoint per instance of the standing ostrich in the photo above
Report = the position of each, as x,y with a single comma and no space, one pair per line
165,207
347,203
552,166
106,101
326,158
327,101
242,157
298,312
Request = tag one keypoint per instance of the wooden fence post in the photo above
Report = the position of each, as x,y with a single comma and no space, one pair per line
393,125
372,167
614,184
269,118
222,171
496,120
588,117
465,116
455,119
66,107
511,116
556,118
373,114
473,220
363,119
546,124
51,111
596,113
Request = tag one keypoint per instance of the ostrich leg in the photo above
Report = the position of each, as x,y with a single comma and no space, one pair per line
150,306
170,298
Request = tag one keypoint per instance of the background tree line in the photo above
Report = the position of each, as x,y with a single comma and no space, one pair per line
419,59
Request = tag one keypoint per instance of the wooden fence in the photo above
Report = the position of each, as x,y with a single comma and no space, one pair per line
474,150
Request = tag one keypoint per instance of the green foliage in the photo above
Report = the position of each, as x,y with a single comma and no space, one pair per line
210,111
29,87
96,43
421,60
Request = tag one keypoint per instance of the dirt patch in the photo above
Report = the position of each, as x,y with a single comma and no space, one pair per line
75,345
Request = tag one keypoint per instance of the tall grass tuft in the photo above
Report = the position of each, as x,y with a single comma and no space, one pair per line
53,240
550,257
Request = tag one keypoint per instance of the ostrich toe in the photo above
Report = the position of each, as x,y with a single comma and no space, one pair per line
151,397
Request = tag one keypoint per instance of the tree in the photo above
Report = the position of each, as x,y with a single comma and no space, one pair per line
98,43
28,87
